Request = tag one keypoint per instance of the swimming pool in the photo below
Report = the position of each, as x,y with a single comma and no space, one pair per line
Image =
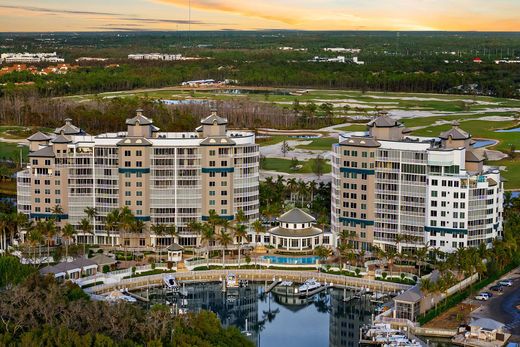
275,259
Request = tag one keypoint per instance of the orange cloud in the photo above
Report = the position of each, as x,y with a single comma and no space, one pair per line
237,7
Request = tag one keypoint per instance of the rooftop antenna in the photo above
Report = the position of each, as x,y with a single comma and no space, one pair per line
189,22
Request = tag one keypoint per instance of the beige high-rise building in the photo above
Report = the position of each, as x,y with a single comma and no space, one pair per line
163,178
394,190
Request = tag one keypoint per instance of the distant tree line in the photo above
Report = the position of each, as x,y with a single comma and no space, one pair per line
101,115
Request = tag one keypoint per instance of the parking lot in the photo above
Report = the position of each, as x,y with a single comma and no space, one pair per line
502,306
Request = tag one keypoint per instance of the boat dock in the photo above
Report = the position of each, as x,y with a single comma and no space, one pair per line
272,285
135,296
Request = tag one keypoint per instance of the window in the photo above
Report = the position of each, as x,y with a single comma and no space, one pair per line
434,193
127,193
139,184
128,203
139,163
128,184
223,193
223,202
47,162
128,163
139,203
128,153
223,163
212,163
223,211
223,174
223,183
435,182
139,153
212,202
212,152
212,174
139,193
139,174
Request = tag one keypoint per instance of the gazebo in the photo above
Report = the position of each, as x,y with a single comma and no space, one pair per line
295,232
175,252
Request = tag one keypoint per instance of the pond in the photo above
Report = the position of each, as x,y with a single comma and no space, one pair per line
514,130
277,319
483,143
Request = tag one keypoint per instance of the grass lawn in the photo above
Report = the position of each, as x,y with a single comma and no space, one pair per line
271,140
284,165
11,151
320,144
511,174
353,127
480,129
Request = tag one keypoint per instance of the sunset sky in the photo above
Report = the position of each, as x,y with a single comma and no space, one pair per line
103,15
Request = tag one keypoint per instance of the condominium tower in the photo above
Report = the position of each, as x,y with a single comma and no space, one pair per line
394,190
163,178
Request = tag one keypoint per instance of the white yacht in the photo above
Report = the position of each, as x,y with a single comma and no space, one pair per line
170,282
309,285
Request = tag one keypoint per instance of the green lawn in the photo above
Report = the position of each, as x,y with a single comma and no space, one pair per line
272,140
353,127
284,165
320,144
511,174
481,129
11,151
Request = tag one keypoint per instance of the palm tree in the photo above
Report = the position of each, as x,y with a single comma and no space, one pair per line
91,213
322,252
67,232
111,223
47,228
240,233
258,227
172,231
35,237
225,240
126,220
207,235
86,228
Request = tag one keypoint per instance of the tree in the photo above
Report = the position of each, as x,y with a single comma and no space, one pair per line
322,252
318,166
294,164
224,239
67,232
91,213
240,231
285,148
207,235
47,228
258,227
86,229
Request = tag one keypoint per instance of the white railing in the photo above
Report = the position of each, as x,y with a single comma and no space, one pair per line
192,264
253,275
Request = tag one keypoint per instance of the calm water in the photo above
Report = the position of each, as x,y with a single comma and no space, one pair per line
483,143
279,320
514,130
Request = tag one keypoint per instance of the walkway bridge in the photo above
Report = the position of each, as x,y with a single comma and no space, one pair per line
338,281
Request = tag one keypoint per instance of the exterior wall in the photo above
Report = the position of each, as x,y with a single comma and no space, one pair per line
170,178
419,194
353,187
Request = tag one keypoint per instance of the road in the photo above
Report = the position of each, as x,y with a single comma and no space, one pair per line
502,306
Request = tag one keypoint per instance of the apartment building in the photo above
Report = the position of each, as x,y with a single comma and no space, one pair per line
30,58
394,190
163,177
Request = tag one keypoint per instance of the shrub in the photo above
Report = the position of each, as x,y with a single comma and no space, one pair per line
106,269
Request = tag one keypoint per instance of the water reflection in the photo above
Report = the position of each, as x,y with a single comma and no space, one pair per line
278,319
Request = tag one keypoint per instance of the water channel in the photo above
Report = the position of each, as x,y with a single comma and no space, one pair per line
277,319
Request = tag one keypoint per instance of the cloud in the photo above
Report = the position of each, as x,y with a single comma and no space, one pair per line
126,18
261,9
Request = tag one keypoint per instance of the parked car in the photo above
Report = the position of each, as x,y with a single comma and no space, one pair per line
506,283
487,294
496,288
481,298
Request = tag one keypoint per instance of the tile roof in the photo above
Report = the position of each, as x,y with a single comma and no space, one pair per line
39,136
384,121
64,267
134,141
296,216
142,120
217,141
45,152
456,134
214,119
307,232
175,247
360,142
473,157
61,139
